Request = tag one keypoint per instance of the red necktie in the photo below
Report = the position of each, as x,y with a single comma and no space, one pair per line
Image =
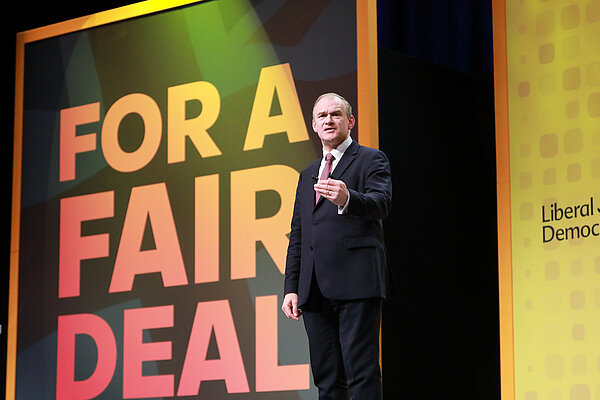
326,170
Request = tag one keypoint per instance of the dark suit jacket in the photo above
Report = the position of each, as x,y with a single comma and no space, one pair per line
346,251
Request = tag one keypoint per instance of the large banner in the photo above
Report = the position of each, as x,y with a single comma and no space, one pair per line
157,151
548,130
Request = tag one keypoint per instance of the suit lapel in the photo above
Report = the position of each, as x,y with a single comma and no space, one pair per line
314,177
340,168
347,159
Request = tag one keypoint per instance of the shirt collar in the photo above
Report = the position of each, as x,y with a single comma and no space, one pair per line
338,152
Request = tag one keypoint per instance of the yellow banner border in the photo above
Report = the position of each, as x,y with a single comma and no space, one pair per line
368,123
505,281
368,106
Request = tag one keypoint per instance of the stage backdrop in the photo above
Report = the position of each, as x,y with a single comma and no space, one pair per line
548,113
157,151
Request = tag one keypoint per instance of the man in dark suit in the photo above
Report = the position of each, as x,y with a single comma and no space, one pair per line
336,267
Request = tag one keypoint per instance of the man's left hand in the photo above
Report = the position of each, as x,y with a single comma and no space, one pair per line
333,190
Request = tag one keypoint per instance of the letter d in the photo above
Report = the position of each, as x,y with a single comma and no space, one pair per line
551,233
83,324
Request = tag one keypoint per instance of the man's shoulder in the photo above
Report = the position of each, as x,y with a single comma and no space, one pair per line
311,167
313,164
369,151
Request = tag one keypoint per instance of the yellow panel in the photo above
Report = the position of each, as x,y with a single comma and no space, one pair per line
368,118
553,125
504,211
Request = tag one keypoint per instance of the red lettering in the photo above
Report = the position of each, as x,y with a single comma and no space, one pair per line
83,324
135,352
270,376
206,229
72,246
230,367
70,142
148,202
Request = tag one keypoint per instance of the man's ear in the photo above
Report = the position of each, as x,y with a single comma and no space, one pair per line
314,126
351,122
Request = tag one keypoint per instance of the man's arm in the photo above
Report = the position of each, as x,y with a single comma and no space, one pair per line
374,203
292,263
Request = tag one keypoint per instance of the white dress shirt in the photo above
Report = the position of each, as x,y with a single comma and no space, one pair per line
337,153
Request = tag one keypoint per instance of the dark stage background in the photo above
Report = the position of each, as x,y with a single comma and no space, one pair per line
436,111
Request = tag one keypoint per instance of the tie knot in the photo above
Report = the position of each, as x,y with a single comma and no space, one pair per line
328,157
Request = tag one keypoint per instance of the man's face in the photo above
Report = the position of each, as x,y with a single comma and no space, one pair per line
331,123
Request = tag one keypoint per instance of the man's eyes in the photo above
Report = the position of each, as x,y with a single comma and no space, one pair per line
332,114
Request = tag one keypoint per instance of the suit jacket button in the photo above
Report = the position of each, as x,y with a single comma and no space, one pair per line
311,248
314,222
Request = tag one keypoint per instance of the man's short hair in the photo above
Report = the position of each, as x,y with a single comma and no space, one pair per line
347,105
